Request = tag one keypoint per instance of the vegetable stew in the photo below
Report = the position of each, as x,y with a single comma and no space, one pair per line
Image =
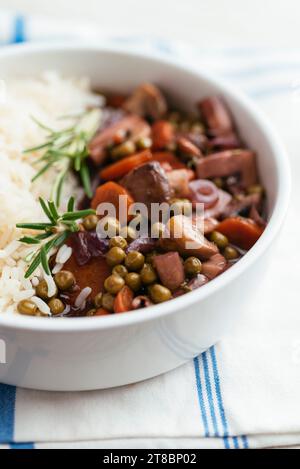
171,200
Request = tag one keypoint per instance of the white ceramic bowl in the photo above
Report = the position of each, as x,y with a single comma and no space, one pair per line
92,353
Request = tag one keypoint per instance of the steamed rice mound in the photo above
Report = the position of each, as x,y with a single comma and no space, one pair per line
45,98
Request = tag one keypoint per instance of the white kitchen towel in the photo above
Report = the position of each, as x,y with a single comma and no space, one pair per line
243,392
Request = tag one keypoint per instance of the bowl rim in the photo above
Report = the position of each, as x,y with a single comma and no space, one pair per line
279,154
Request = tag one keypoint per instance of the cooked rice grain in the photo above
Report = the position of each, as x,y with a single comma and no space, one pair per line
45,98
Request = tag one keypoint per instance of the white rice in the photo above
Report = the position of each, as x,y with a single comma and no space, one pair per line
34,281
24,295
63,254
82,297
57,268
10,261
10,249
46,98
43,307
50,284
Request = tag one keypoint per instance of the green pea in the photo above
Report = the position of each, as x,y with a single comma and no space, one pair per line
118,241
113,284
110,226
181,206
90,222
192,266
144,143
91,312
108,302
134,261
219,239
230,253
128,233
27,307
115,256
42,290
120,270
64,280
157,230
255,189
218,182
159,293
148,274
56,306
98,300
197,128
133,281
124,149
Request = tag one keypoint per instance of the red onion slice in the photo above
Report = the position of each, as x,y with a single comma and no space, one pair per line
203,191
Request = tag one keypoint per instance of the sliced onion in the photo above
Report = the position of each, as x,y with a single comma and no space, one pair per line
203,191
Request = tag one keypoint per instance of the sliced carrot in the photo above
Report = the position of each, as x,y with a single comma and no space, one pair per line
117,170
168,157
101,312
240,231
123,300
111,192
92,274
162,134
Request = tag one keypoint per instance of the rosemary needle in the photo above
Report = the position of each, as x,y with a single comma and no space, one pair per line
67,150
55,232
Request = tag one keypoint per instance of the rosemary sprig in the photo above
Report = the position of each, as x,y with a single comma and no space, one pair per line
67,150
55,232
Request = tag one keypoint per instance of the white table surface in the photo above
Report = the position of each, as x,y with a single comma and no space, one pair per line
202,22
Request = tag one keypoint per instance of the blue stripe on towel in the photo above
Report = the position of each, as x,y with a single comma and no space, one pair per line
7,412
219,395
221,405
21,446
235,442
7,417
200,396
209,394
19,34
211,400
245,441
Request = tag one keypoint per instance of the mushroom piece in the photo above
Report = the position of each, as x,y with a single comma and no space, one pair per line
182,235
148,184
146,101
179,181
